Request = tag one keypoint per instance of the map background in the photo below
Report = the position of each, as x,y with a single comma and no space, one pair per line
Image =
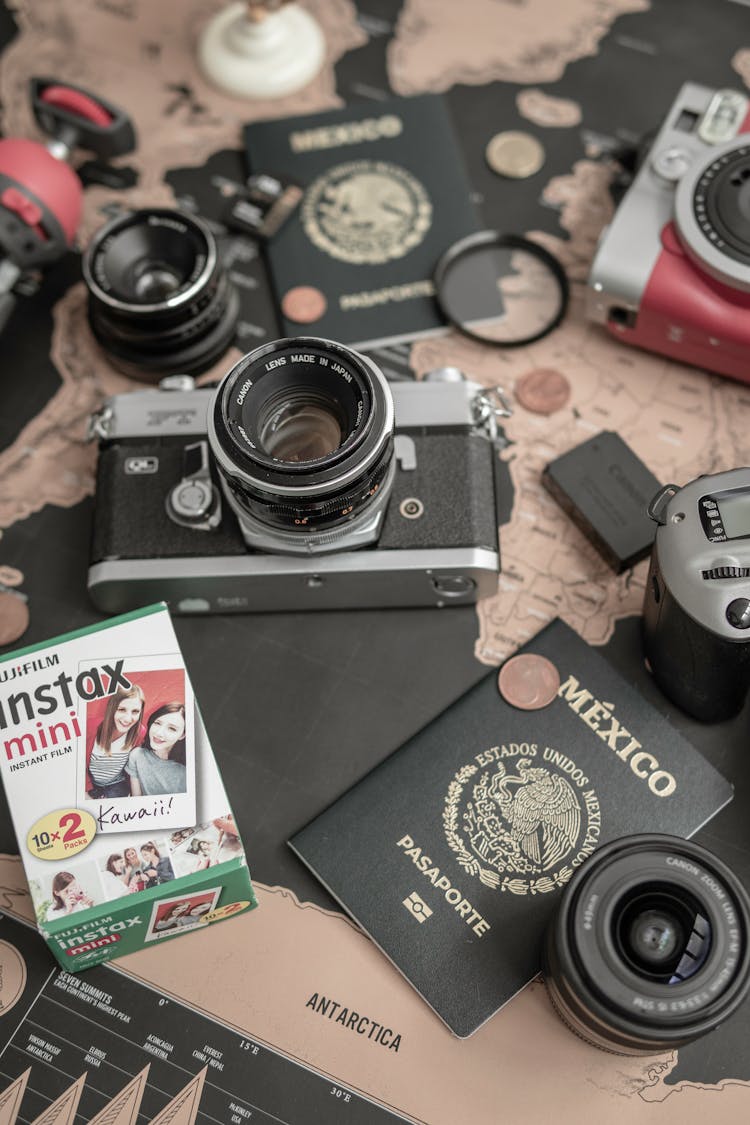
300,707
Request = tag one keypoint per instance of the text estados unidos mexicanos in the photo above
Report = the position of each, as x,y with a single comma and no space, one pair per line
24,706
599,716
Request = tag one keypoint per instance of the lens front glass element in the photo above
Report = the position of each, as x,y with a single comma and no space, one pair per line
146,263
298,407
662,933
299,425
154,281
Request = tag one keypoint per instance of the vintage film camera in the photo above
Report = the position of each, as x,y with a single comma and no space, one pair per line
696,614
305,481
672,272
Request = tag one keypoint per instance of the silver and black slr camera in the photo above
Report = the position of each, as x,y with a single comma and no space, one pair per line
696,614
672,272
306,481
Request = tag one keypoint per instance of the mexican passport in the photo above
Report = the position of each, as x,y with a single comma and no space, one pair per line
385,194
452,854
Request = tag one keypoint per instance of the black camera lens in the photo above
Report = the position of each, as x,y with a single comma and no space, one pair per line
302,434
649,946
159,301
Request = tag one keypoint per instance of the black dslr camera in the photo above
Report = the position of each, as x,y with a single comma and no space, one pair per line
305,481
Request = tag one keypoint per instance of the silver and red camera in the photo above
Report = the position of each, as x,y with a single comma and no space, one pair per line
672,272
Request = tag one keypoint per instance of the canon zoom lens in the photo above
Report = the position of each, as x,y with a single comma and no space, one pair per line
159,301
649,947
302,433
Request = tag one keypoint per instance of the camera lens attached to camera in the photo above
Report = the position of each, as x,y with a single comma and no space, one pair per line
159,299
302,432
648,949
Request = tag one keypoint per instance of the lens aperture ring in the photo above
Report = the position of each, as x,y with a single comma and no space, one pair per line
327,512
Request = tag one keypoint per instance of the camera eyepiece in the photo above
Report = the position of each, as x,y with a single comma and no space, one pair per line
159,300
302,433
649,947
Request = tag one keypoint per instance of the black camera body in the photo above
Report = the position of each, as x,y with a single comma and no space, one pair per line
320,491
696,613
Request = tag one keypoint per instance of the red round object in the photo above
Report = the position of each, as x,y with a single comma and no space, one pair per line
51,181
73,101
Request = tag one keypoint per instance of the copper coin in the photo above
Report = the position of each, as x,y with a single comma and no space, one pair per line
528,681
543,391
14,616
303,304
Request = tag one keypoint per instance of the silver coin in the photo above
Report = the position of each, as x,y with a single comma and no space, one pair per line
514,154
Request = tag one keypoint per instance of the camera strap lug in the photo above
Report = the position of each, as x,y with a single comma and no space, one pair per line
657,507
99,427
487,406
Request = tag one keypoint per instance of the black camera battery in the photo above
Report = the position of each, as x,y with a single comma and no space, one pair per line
263,208
606,490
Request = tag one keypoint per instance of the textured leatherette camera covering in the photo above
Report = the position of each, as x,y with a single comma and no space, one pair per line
453,480
133,522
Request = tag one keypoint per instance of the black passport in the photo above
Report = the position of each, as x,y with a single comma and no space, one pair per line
452,854
385,193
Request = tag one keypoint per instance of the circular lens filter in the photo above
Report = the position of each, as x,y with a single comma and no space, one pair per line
501,289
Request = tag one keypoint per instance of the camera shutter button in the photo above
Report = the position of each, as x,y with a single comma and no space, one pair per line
738,613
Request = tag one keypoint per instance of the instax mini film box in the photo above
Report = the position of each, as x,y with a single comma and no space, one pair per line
122,819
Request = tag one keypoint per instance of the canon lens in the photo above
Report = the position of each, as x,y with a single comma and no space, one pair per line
649,946
159,301
302,433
